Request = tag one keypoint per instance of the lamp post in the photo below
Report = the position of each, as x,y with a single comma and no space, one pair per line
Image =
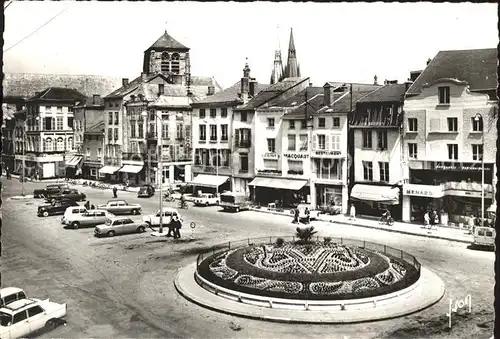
160,166
479,118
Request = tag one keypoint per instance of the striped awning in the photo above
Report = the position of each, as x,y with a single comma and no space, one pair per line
382,194
73,160
109,169
130,169
281,183
209,180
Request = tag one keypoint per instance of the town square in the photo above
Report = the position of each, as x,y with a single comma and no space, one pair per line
254,178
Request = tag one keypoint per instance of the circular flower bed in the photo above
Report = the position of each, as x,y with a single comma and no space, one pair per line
308,271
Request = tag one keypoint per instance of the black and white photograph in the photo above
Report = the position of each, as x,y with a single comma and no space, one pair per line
248,170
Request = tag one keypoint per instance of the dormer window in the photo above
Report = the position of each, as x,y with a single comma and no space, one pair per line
444,95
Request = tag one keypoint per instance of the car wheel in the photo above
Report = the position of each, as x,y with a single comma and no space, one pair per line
217,202
75,225
206,204
237,209
51,324
45,213
111,233
141,229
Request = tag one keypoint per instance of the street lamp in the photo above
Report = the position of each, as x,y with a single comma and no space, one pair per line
479,118
160,165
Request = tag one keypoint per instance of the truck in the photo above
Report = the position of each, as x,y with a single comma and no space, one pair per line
234,201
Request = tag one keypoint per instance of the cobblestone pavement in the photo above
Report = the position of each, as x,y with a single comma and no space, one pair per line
123,286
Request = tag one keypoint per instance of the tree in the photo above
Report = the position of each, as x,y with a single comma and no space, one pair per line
305,234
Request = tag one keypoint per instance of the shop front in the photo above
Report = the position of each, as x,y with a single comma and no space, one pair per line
330,197
418,199
47,166
73,166
132,172
283,192
372,200
208,183
109,173
90,169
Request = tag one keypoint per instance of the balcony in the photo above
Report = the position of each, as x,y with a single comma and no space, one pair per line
134,156
294,172
167,158
243,144
221,170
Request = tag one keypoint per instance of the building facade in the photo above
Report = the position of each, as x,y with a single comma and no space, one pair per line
8,128
449,133
93,151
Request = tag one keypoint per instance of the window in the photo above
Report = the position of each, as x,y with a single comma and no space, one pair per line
321,141
59,123
48,108
223,112
161,89
477,152
295,167
116,133
19,317
224,135
412,150
271,164
304,145
291,124
47,124
336,122
132,129
59,109
70,123
244,162
270,122
444,95
271,145
382,140
335,142
47,146
453,151
175,63
202,113
477,125
303,124
116,118
110,118
179,132
203,132
87,152
328,169
99,153
70,143
291,142
165,62
213,112
213,132
244,116
367,170
412,124
384,171
367,138
140,128
321,123
452,124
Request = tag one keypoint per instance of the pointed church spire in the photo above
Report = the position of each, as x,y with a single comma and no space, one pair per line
291,46
277,73
292,68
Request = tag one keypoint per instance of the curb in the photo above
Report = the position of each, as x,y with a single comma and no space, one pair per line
433,236
20,197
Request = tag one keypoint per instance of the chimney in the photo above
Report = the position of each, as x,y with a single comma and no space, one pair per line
95,98
375,79
414,75
211,90
327,95
124,81
429,61
144,76
252,88
245,84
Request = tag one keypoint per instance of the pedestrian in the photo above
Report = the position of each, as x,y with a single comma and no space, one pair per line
177,227
87,205
114,192
352,213
308,215
296,216
426,219
171,227
92,207
472,224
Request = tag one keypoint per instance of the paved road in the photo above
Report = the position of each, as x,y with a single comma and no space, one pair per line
122,286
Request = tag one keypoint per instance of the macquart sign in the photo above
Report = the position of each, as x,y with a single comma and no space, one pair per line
296,156
271,156
327,153
423,190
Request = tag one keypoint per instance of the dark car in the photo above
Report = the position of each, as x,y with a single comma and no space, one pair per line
58,207
146,191
67,194
49,189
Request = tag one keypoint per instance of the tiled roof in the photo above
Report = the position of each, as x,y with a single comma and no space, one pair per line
58,93
313,104
26,84
392,92
356,87
283,84
476,66
300,97
230,94
96,129
166,41
89,102
172,101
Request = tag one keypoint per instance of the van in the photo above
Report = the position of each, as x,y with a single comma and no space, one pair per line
72,211
234,201
11,294
484,236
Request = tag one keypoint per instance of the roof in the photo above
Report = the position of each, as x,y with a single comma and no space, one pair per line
230,94
166,41
89,102
26,84
96,129
10,290
386,93
356,87
58,93
476,66
18,304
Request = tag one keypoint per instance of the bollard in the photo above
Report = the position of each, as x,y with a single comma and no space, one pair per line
306,306
270,303
374,303
229,245
248,240
216,291
239,298
341,241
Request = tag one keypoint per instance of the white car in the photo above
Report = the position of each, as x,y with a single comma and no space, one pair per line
154,219
206,199
313,214
26,316
11,294
71,211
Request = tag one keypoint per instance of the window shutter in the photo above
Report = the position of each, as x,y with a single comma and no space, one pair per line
237,136
249,135
315,143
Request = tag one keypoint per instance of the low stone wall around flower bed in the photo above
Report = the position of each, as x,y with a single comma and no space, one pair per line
370,270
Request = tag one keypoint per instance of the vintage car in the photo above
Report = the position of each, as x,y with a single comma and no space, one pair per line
71,211
57,207
484,237
90,218
146,191
206,199
23,317
120,207
68,194
119,225
313,214
49,189
11,294
154,219
234,201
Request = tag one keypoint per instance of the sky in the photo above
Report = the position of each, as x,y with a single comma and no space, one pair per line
348,42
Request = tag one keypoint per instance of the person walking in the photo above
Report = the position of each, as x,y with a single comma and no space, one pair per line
295,216
472,224
177,227
426,220
171,227
308,215
352,213
114,192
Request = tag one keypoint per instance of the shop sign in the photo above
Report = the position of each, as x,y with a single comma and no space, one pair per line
323,153
423,190
271,156
472,194
472,167
296,156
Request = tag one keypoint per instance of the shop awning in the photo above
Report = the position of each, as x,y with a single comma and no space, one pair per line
109,169
209,180
281,183
383,194
73,160
130,169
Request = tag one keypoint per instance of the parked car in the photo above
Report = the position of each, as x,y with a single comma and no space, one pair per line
484,237
120,207
119,225
69,194
313,214
234,201
23,317
73,211
146,191
154,219
49,189
11,294
206,199
57,207
90,218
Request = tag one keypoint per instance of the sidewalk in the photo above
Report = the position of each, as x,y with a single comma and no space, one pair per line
445,233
